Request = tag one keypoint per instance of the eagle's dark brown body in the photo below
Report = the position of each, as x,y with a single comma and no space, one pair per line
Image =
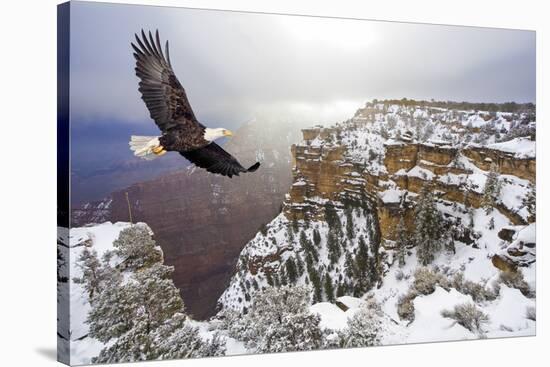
180,140
169,107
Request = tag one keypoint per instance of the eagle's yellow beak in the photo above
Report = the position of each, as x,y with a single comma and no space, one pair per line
227,133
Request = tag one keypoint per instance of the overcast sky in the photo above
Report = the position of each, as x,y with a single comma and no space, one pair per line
239,66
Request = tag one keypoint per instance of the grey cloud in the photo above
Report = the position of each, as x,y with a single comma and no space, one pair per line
236,66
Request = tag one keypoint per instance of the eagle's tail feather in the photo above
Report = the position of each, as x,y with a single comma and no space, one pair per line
143,146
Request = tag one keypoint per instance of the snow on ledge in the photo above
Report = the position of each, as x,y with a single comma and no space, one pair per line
520,147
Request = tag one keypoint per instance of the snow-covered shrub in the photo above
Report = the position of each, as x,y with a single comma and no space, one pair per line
279,320
469,316
405,305
233,322
531,313
294,332
477,291
399,275
331,339
515,279
425,280
364,327
177,339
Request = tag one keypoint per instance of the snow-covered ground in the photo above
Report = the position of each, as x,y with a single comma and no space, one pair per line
507,313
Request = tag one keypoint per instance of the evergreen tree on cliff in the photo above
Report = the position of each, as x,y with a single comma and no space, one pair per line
137,248
428,233
401,241
530,202
329,288
291,271
137,303
491,191
93,273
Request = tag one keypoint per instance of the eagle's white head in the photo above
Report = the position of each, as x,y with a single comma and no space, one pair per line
213,134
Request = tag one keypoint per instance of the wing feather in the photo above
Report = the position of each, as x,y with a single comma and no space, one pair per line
215,159
160,89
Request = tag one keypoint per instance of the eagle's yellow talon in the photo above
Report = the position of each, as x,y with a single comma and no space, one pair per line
159,150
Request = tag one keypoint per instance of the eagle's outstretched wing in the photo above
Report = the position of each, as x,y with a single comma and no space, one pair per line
216,160
161,91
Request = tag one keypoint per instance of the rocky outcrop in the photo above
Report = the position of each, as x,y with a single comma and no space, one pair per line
519,247
503,263
506,162
325,172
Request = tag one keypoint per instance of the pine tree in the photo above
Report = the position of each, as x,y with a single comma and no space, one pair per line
372,272
333,246
329,288
306,244
316,238
361,260
136,247
491,191
295,227
291,271
269,278
341,290
471,222
283,277
146,303
176,338
276,280
143,303
279,320
316,283
349,223
401,241
92,270
362,269
290,233
299,265
530,202
428,234
450,231
349,266
332,218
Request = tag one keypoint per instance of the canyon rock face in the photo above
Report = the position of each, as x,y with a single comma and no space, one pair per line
506,162
325,169
202,221
354,182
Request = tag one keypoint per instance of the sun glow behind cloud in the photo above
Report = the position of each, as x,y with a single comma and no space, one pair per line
345,34
306,112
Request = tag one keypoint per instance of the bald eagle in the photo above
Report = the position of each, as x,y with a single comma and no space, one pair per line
169,107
